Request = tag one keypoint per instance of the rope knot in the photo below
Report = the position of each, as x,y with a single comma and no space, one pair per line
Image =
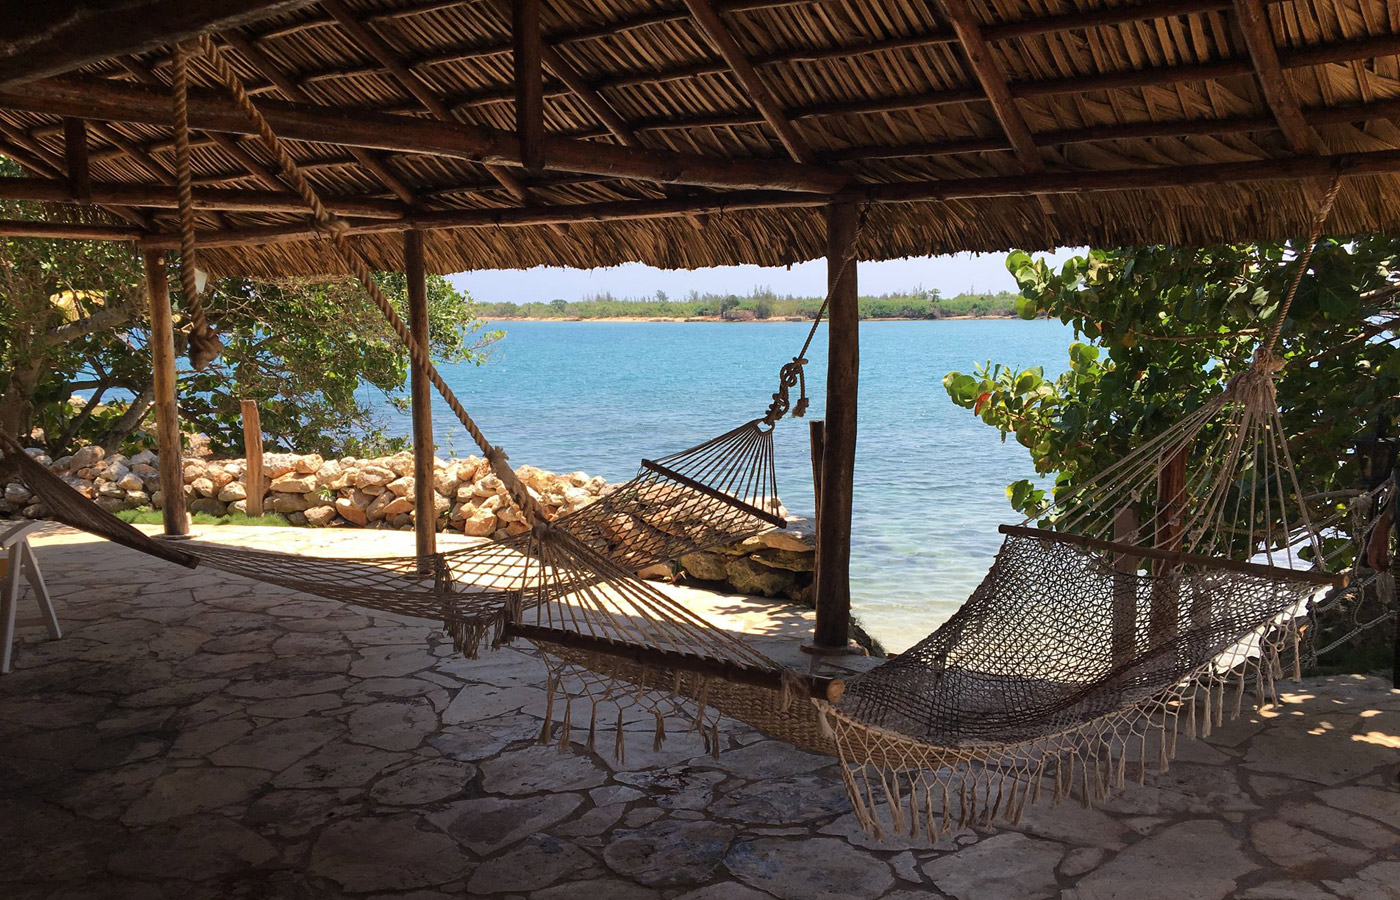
332,225
205,346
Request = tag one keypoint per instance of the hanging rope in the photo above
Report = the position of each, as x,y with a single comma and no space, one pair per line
337,230
793,374
1264,355
204,343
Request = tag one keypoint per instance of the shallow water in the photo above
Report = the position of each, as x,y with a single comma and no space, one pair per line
930,478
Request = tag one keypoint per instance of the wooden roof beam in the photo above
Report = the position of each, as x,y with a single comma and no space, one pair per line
262,63
1253,21
50,38
56,190
115,101
707,19
1378,162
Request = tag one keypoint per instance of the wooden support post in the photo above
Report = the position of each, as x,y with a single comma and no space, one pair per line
75,153
421,397
1164,621
529,82
172,476
833,580
1124,621
816,434
253,482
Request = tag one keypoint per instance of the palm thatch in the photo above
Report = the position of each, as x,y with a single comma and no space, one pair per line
970,125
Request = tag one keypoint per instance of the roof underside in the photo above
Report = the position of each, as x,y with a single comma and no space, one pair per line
971,124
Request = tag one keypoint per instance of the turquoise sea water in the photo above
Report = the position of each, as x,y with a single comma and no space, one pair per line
930,478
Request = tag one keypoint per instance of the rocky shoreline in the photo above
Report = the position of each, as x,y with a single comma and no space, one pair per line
352,492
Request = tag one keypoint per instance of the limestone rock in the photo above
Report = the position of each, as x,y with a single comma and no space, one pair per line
479,524
373,476
385,854
486,824
350,511
307,464
204,486
540,769
749,577
194,469
705,566
284,502
87,457
320,516
293,484
396,507
402,487
128,482
17,494
539,862
234,490
788,541
209,506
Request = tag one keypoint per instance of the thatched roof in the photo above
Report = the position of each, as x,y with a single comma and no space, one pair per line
1185,121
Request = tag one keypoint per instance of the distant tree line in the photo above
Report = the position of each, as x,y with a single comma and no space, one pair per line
759,304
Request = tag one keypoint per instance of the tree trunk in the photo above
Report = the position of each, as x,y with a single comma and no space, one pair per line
17,403
130,420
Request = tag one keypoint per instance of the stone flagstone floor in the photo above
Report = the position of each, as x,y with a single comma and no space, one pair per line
199,736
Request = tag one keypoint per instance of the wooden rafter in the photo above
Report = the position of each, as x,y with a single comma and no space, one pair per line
75,153
55,190
990,76
715,31
1253,21
260,61
373,44
528,68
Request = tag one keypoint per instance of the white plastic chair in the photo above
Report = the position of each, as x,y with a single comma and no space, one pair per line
18,561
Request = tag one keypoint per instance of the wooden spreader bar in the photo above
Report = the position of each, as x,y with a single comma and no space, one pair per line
775,521
819,686
1175,556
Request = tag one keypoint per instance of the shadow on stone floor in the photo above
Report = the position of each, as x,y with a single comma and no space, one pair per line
200,737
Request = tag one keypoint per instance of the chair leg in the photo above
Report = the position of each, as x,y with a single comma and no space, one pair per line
41,590
9,601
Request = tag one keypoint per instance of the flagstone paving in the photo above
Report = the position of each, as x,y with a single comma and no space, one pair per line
201,736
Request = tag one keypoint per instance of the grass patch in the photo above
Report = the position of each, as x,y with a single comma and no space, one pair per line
154,517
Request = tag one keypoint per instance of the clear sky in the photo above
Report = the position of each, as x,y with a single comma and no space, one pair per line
949,274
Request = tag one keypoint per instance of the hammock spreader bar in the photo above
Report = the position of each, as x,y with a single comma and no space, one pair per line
1278,573
819,686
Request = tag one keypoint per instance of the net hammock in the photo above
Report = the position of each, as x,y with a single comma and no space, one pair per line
1105,620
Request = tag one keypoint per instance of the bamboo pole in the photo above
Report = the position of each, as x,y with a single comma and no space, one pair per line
172,476
421,398
833,578
253,486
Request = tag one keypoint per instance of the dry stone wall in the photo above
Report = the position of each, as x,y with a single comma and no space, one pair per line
468,498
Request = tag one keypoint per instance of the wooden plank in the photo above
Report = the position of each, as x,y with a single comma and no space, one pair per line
710,24
1176,558
168,441
112,101
833,578
254,483
821,687
56,36
75,230
528,68
75,154
421,400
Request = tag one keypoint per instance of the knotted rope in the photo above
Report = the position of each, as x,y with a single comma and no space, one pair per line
793,374
204,343
337,230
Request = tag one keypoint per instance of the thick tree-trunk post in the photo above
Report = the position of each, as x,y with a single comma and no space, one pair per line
833,584
529,82
1124,621
816,433
421,396
253,485
1395,573
172,476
